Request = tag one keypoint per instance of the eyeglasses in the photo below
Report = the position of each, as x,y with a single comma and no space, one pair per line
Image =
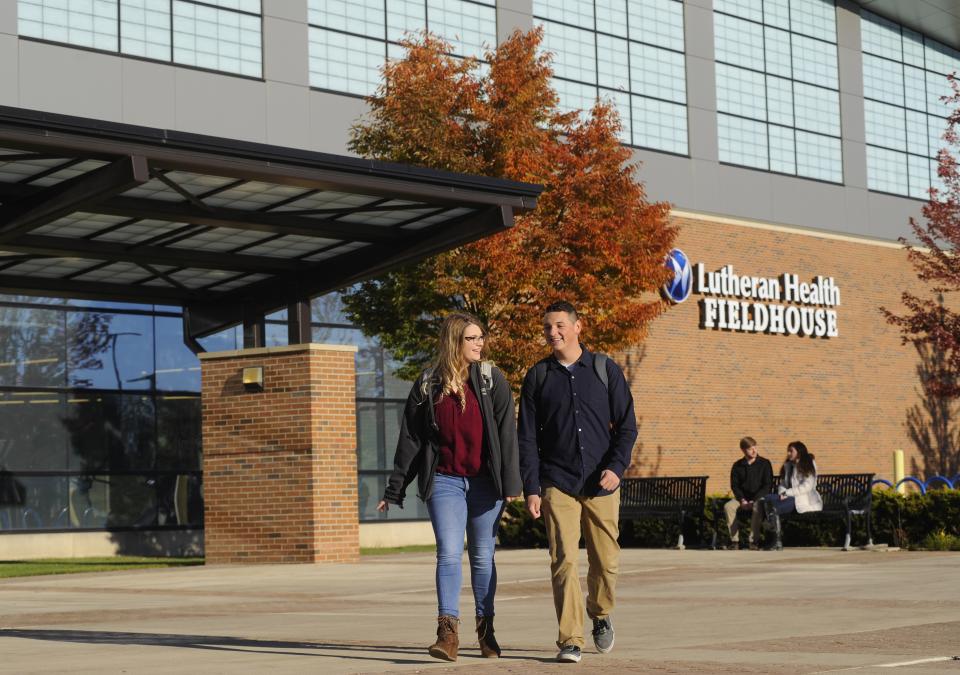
475,338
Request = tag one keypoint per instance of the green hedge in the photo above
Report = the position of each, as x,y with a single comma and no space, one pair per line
915,521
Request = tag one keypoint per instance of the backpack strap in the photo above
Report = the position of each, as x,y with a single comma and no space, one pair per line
486,374
600,366
539,375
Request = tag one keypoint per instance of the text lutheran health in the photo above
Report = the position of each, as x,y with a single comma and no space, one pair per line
811,318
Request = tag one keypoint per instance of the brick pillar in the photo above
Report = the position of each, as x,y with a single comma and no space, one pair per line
280,465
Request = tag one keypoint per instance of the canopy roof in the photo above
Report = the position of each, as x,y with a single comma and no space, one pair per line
225,228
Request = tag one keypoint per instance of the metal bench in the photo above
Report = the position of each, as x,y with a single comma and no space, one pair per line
677,497
844,495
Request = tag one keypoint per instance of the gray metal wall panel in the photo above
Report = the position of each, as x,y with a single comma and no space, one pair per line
854,164
148,94
698,31
852,121
856,204
9,66
848,25
513,15
70,81
8,17
330,119
743,193
702,132
888,216
288,114
291,10
286,50
665,177
820,203
208,103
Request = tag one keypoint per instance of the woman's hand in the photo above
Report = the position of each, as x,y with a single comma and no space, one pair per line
383,506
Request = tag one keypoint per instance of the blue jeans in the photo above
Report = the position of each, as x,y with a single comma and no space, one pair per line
781,506
473,506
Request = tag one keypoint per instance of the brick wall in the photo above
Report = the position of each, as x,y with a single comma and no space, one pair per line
699,391
280,466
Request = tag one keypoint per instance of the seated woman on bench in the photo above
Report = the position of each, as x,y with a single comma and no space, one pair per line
797,490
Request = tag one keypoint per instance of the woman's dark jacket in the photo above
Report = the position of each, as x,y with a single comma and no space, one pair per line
417,448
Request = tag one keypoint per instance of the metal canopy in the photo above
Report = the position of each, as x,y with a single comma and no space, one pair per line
228,229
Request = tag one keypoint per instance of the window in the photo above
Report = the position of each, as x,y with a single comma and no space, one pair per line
628,52
351,39
99,416
904,76
221,35
778,92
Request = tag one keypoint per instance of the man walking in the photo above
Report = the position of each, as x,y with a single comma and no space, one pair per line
576,434
751,478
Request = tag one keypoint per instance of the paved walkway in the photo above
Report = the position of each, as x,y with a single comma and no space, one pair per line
797,611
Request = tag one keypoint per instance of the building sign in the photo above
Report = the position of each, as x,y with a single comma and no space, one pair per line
784,305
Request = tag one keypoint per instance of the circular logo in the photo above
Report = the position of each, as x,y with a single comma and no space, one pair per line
678,289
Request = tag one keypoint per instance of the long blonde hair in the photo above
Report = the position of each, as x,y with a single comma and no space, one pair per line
449,369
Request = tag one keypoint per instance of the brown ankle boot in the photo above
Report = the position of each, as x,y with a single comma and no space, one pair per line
445,648
488,641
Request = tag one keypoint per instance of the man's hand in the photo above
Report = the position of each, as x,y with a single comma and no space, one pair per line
609,480
383,506
533,505
746,505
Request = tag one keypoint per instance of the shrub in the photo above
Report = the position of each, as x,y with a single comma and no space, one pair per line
907,521
519,530
941,541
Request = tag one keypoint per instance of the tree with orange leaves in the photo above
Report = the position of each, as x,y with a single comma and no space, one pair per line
593,239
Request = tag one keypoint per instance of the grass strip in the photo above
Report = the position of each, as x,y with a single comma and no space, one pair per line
29,568
419,548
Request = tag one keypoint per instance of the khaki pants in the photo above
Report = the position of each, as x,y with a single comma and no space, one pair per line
756,516
564,516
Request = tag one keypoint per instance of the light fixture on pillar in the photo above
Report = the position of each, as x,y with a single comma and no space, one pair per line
253,378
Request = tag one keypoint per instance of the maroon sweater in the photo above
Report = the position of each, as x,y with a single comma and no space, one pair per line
462,444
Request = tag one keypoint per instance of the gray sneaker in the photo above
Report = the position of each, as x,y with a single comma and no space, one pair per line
569,654
603,635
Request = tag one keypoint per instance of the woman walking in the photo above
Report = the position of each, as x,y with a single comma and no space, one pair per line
458,437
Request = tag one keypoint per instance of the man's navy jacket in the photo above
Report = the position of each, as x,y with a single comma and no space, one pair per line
574,428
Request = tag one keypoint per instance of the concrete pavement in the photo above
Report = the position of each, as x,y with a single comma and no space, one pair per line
796,611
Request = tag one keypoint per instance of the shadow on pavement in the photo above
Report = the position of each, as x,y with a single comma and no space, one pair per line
392,653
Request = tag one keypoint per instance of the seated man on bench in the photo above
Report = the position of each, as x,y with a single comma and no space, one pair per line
751,479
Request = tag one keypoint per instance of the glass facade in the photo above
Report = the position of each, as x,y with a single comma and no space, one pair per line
904,77
100,414
221,35
630,52
99,417
778,90
351,39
